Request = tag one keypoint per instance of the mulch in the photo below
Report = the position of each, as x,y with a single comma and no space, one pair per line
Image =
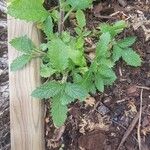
4,83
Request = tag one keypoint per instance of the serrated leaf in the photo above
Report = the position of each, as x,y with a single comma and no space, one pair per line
129,41
66,37
20,62
106,62
87,81
32,10
80,4
119,26
80,42
80,18
47,90
99,83
66,99
78,30
58,112
117,53
57,52
109,81
46,71
76,91
55,15
103,44
113,29
23,44
48,27
106,72
131,57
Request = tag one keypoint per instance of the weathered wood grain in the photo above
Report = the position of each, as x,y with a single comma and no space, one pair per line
26,113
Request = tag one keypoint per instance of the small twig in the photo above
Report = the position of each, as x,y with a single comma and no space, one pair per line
130,128
123,128
143,87
105,17
67,15
120,71
60,133
61,19
139,124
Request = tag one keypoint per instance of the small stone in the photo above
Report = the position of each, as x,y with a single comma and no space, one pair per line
147,82
103,110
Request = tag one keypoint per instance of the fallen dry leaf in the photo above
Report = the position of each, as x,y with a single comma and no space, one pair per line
90,101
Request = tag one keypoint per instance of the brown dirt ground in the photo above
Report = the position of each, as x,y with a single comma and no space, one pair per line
101,122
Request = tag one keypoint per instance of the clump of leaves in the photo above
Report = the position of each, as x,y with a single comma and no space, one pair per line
64,62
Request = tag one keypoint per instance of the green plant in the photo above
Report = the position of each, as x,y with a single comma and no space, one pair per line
63,61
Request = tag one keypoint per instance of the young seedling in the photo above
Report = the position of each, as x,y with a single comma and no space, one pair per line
63,62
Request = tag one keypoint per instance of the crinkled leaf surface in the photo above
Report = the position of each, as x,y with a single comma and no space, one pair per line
81,18
47,90
58,112
48,27
46,71
58,54
103,44
76,91
29,10
131,57
20,62
117,53
129,41
23,44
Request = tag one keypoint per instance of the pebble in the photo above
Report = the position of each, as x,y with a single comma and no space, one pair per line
103,110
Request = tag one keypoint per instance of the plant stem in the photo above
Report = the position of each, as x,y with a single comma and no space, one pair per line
67,15
61,24
64,78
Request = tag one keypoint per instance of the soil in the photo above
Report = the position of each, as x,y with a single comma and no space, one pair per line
103,119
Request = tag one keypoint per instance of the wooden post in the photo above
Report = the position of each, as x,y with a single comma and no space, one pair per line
26,113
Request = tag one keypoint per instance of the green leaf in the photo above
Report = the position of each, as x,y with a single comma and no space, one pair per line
78,30
129,41
80,42
32,10
106,72
46,71
20,62
117,53
47,90
119,26
106,62
48,27
23,44
58,112
113,29
55,15
66,99
81,18
99,83
80,4
76,91
57,52
109,81
87,81
131,57
66,37
103,44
